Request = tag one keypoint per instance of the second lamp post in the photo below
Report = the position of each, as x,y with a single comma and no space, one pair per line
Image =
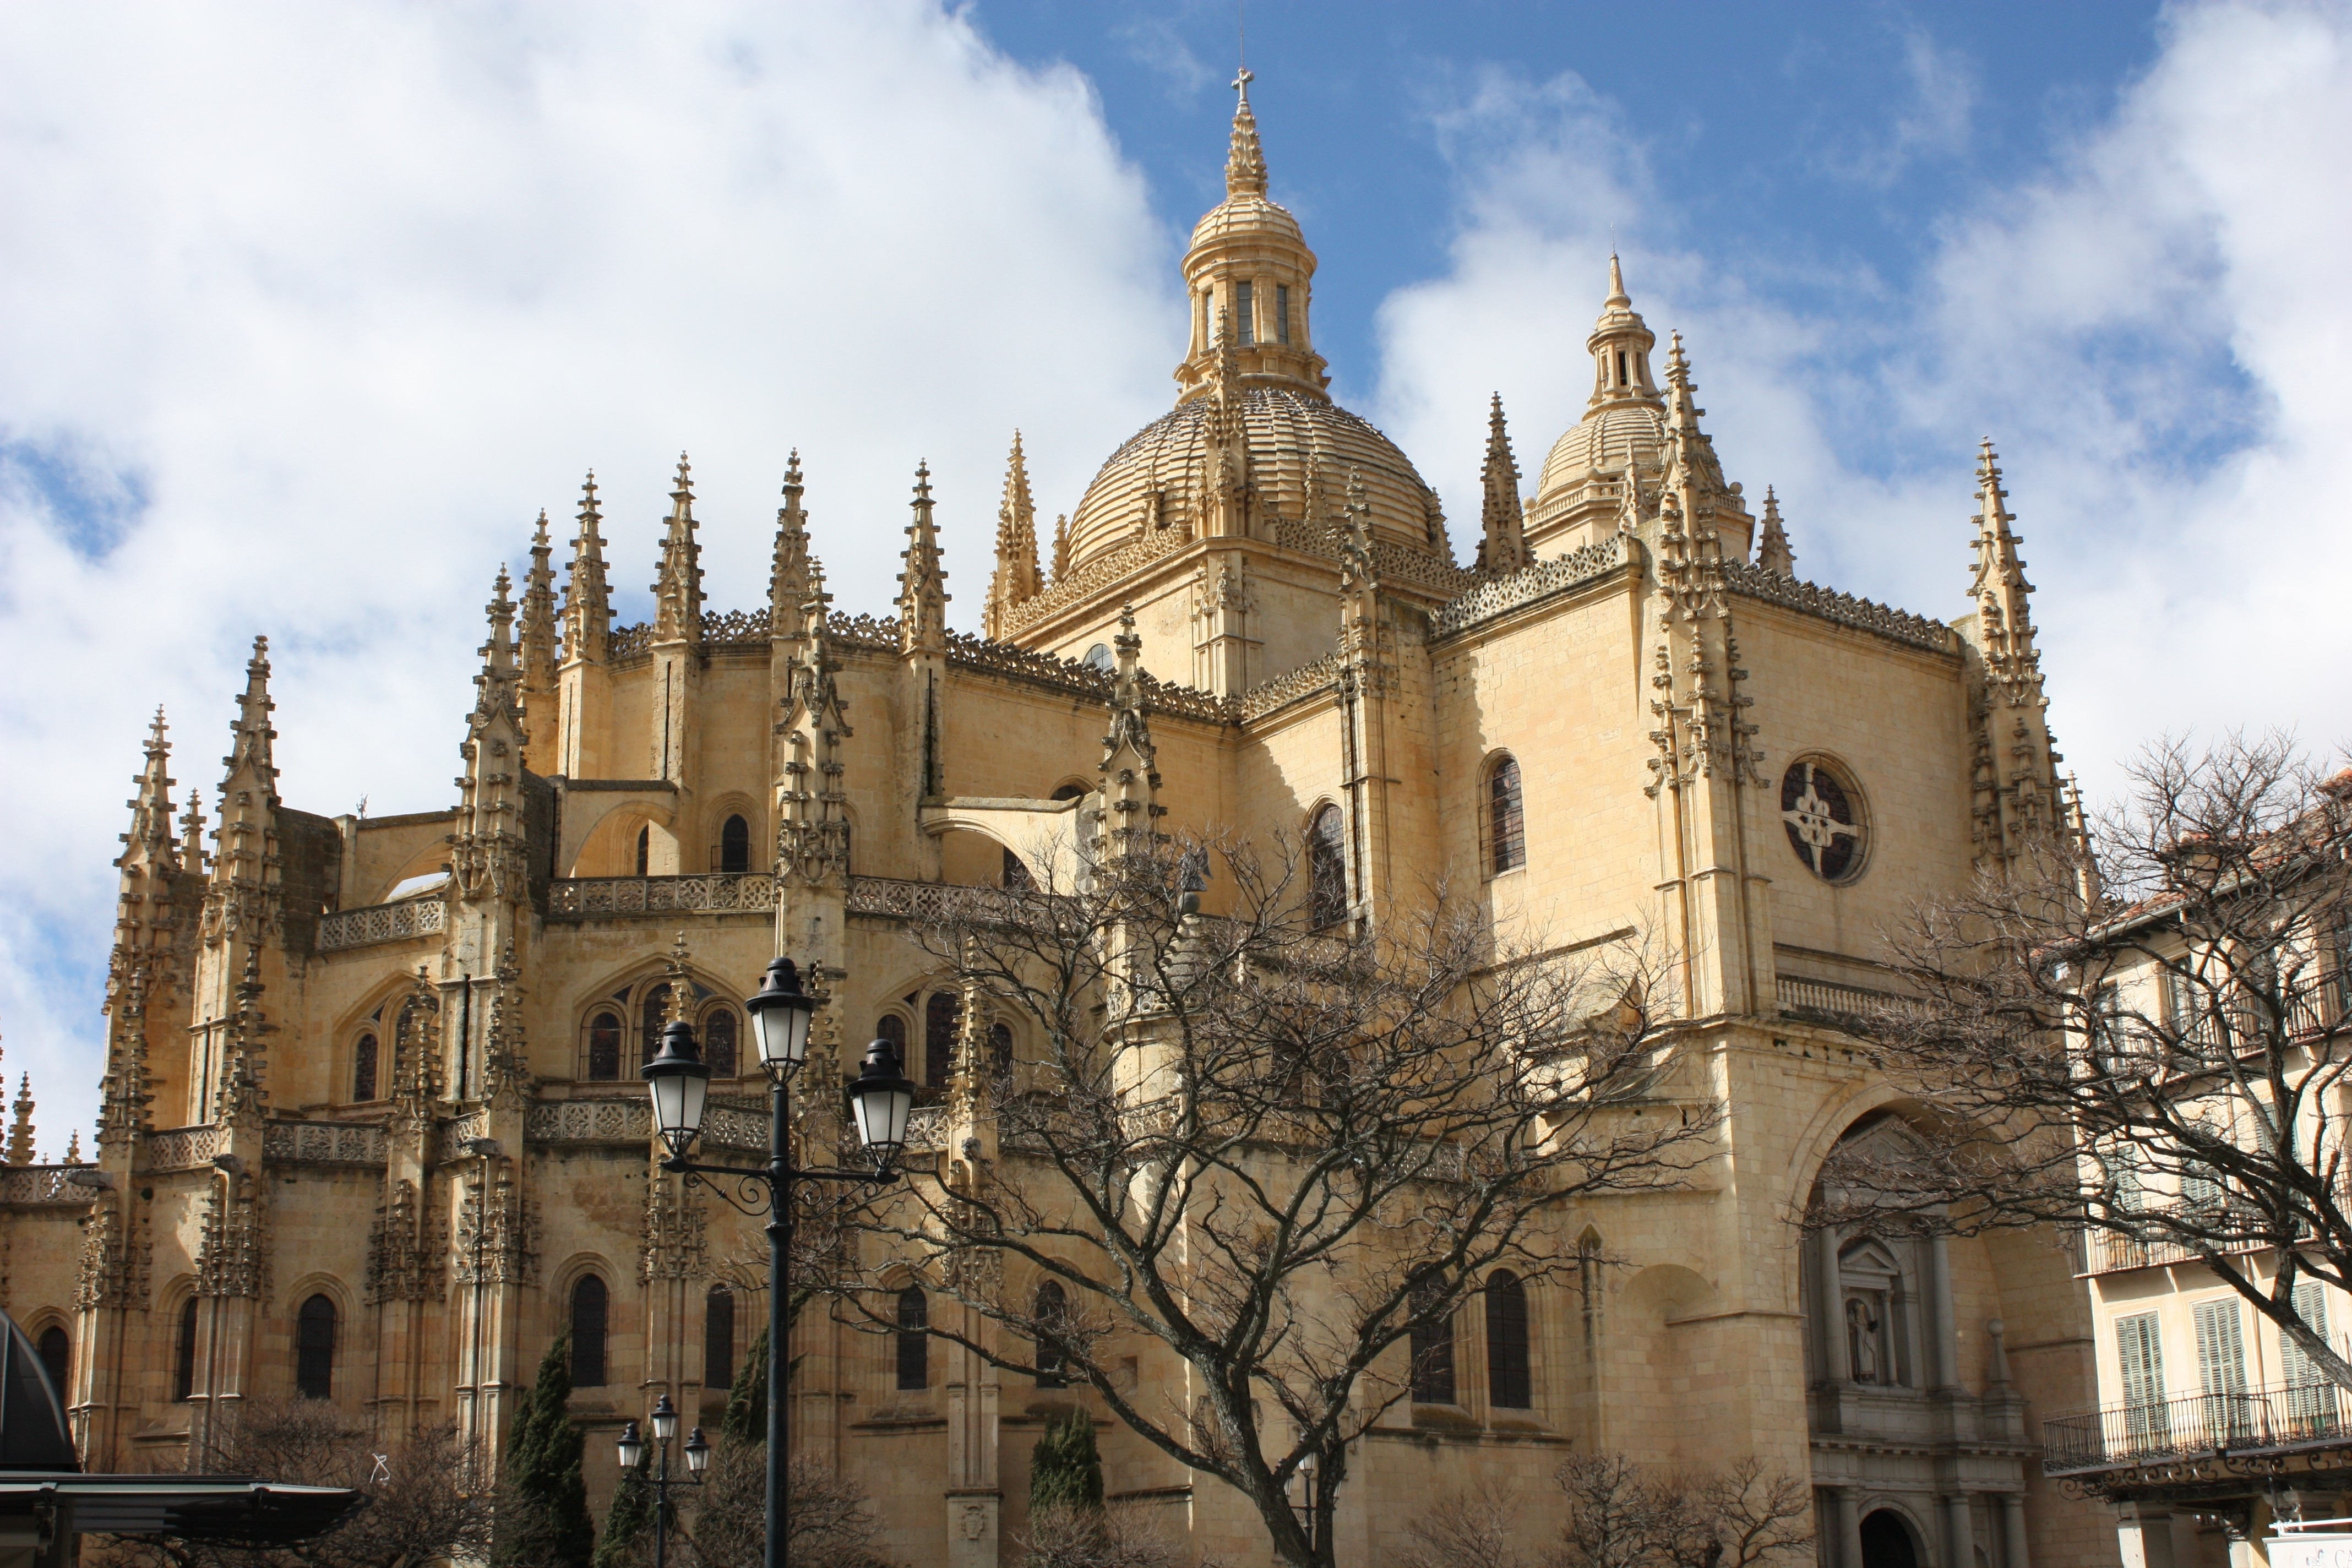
633,1453
879,1099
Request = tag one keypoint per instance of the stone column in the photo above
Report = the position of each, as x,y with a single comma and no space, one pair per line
1839,1527
2013,1531
1960,1532
1943,1327
1833,1308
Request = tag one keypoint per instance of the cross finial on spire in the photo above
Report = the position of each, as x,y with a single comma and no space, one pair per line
1246,162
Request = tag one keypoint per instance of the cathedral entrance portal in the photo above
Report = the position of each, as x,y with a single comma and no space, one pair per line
1886,1541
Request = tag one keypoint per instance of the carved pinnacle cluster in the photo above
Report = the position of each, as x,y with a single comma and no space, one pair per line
488,857
788,569
587,596
1502,542
405,1251
677,585
1130,771
922,581
21,1142
1017,578
2003,596
813,824
242,901
539,629
149,863
1772,552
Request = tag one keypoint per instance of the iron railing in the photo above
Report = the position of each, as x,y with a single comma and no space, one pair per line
2197,1425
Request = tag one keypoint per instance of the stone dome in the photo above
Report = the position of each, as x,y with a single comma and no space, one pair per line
1248,216
1603,439
1298,440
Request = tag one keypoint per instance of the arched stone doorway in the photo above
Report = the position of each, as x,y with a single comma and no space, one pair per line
1886,1541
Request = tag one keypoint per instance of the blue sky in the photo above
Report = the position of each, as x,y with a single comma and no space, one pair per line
306,311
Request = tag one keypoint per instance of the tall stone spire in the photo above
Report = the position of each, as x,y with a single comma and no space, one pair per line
2020,797
812,834
539,650
487,858
1502,543
2003,596
1772,552
149,862
1246,159
677,586
242,901
192,836
587,596
787,570
1130,763
1017,577
922,583
1061,546
1710,504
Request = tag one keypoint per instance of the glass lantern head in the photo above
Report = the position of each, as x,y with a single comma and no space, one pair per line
665,1419
780,1012
697,1453
632,1447
681,1083
880,1100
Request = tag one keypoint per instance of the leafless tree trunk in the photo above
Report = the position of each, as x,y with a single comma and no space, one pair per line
1269,1152
2157,1061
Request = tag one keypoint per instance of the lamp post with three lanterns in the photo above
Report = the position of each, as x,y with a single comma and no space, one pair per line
879,1101
633,1452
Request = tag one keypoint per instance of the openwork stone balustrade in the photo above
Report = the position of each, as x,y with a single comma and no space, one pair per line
373,923
590,898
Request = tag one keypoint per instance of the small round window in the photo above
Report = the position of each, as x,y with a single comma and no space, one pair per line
1822,812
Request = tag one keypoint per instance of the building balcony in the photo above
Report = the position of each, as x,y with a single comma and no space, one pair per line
2148,1443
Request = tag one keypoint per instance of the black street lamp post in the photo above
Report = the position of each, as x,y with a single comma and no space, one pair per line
698,1460
880,1098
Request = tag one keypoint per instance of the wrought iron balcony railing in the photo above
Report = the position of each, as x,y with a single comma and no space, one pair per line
2153,1432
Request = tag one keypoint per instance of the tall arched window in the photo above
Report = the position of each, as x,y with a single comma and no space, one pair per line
644,850
1326,867
1433,1350
363,1068
57,1358
718,1042
314,1349
735,846
890,1026
656,1014
913,1339
588,1313
1506,828
1509,1383
719,1337
604,1045
942,1017
1052,1307
1000,1046
183,1359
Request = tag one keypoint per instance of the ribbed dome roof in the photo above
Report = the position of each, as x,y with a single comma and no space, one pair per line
1246,215
1604,438
1292,435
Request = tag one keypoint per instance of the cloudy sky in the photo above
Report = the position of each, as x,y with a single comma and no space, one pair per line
305,311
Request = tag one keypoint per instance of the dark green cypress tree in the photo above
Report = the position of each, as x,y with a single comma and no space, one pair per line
543,1473
630,1517
1064,1471
746,1420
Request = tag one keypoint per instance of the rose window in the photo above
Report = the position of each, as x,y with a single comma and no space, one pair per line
1824,824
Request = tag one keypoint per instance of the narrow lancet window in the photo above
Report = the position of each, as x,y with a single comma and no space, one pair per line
1244,316
1282,313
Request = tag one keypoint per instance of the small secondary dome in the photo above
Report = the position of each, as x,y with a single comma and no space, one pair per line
1625,419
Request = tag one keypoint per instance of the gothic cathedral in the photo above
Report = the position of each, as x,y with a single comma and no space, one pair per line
372,1129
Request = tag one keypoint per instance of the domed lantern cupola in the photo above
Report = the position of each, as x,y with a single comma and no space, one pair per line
1619,346
1248,273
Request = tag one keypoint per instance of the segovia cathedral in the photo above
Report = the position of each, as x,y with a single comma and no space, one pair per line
371,1129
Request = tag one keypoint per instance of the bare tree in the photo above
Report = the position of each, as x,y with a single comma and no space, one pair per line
1621,1515
1268,1147
832,1523
1082,1536
419,1499
2143,1036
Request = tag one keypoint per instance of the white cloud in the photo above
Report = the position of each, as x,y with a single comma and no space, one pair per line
2154,332
306,311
